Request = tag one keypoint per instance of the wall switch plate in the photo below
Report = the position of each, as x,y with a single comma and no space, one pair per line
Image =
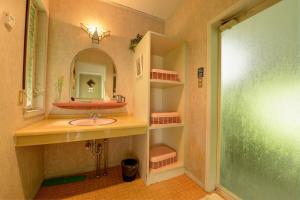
200,74
21,98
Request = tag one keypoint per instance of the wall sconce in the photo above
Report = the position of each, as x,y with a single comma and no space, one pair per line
95,34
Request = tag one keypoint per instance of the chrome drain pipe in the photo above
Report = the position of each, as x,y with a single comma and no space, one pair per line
98,153
99,149
105,152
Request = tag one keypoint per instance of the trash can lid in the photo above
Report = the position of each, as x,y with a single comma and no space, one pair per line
130,162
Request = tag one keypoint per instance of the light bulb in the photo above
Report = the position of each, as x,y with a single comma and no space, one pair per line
92,29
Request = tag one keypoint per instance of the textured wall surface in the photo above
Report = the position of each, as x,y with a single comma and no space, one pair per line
21,169
72,158
66,40
190,23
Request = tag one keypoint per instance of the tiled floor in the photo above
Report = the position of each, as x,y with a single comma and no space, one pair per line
113,188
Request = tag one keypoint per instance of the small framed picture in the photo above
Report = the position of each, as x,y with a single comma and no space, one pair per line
139,66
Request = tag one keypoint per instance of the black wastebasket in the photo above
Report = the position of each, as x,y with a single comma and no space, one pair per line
129,169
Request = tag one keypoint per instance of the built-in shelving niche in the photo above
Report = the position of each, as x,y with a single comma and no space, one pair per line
173,137
168,96
161,52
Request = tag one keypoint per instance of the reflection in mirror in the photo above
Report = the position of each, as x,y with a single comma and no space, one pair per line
35,57
93,76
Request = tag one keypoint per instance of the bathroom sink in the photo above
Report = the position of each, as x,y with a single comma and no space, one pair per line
92,122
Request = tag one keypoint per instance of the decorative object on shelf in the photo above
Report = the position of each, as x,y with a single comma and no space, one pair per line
165,118
134,42
139,68
160,74
120,98
95,33
59,86
162,155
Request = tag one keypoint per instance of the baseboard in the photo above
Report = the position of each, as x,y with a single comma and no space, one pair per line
194,178
36,190
226,194
212,196
158,177
84,171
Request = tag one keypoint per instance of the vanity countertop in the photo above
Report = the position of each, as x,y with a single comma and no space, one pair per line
51,131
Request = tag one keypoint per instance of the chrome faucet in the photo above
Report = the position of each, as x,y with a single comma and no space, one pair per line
95,116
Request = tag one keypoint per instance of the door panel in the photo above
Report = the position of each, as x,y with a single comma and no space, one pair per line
260,105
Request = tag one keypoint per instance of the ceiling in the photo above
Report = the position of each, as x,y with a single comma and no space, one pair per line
159,8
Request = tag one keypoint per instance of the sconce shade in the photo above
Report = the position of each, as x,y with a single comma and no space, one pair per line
94,33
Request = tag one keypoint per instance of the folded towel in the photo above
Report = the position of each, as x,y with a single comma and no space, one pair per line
161,152
165,114
164,71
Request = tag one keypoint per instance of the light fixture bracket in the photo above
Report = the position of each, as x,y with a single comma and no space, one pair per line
95,35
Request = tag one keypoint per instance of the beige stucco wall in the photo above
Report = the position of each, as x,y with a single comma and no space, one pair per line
21,169
66,39
190,23
73,158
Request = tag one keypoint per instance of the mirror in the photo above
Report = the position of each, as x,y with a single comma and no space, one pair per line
35,57
93,76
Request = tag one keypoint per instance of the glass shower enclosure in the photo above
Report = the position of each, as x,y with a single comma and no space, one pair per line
260,105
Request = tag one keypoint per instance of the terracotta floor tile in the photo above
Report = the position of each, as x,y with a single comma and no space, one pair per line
112,187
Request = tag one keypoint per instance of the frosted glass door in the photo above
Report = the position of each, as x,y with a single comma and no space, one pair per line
260,105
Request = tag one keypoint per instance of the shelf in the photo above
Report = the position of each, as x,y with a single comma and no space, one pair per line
162,126
161,44
93,105
162,54
166,168
165,84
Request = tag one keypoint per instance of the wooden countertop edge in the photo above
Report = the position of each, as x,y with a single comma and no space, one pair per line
36,131
55,138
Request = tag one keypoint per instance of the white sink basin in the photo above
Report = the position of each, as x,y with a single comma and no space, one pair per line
92,122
